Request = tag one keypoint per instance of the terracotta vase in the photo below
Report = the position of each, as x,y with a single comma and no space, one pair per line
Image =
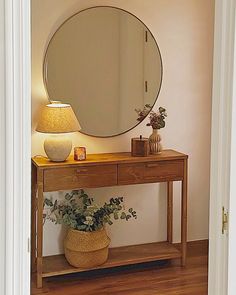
155,142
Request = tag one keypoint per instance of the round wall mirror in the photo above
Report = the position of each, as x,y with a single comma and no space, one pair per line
106,63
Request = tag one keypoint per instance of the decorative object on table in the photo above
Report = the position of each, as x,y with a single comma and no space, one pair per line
79,153
86,243
157,121
139,146
155,142
57,118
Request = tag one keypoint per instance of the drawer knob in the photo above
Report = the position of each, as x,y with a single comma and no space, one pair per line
153,165
81,170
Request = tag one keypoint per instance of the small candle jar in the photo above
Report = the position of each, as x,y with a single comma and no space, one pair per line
79,153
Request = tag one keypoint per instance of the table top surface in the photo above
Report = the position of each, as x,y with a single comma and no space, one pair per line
108,158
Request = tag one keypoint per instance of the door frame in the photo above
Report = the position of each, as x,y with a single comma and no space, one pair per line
2,150
222,146
16,130
222,152
16,148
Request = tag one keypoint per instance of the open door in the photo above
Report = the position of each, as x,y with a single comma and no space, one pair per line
222,254
232,201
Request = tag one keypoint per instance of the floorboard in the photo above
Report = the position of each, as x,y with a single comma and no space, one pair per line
155,278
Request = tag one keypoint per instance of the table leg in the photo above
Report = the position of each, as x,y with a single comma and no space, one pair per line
184,214
40,231
170,211
33,217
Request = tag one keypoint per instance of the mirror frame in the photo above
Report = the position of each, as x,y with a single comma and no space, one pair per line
44,67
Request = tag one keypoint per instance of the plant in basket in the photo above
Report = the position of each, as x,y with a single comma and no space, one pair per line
86,243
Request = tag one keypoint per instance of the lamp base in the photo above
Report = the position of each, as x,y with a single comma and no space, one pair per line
57,147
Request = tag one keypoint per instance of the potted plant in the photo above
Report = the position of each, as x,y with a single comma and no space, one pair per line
86,243
157,121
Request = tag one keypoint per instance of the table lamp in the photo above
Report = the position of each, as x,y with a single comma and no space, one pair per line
56,119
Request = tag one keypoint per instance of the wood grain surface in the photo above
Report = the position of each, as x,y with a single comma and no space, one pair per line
110,158
159,171
57,265
145,279
101,170
70,178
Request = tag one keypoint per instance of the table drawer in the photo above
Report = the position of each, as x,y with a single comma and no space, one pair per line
79,177
150,172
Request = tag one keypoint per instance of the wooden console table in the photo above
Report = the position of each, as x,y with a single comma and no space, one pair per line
101,170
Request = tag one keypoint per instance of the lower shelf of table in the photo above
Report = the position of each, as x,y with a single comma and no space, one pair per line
57,264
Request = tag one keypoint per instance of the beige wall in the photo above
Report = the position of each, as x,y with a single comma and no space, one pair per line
184,32
79,84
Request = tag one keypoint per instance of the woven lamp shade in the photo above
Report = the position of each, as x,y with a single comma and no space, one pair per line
57,118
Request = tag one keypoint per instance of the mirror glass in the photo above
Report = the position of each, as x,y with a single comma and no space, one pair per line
105,63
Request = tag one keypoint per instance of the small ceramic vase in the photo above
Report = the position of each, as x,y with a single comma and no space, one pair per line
155,142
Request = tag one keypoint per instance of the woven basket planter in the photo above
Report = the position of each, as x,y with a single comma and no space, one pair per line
86,249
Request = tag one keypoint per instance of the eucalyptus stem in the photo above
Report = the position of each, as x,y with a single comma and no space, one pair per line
78,211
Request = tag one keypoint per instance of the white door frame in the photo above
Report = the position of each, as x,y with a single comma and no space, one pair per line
16,130
16,140
2,150
232,200
221,143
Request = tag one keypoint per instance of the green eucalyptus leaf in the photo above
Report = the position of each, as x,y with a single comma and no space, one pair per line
116,216
123,215
85,215
128,216
68,196
110,222
48,202
82,227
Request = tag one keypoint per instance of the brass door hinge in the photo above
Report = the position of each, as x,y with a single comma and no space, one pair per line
225,220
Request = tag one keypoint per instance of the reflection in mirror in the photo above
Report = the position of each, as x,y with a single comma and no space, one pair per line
105,63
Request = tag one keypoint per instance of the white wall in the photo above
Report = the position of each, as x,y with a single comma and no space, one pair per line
2,150
184,32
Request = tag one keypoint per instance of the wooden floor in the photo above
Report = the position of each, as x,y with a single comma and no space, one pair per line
145,279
